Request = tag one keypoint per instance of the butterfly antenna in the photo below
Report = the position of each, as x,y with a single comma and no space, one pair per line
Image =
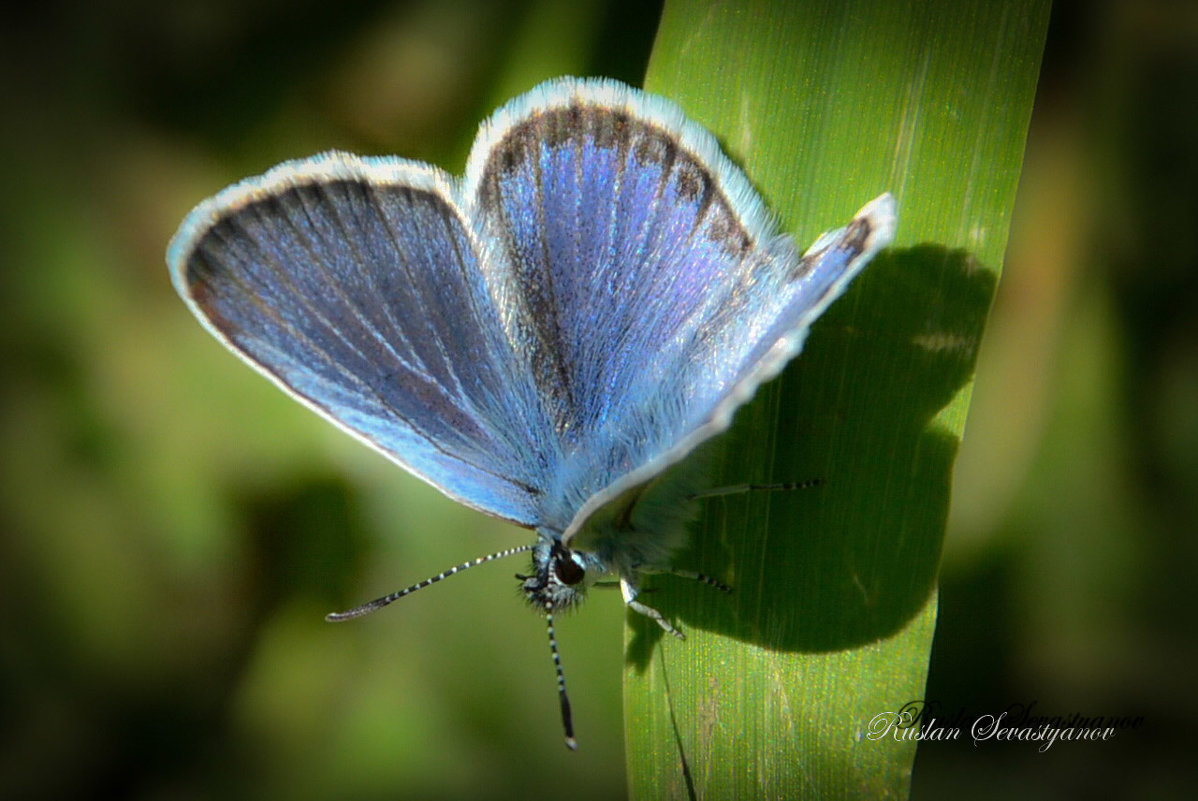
737,489
567,720
379,603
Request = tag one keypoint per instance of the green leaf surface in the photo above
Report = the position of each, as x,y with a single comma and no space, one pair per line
777,691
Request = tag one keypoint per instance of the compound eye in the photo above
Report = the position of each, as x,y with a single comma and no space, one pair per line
568,571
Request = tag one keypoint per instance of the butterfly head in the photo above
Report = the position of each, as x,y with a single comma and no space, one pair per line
559,576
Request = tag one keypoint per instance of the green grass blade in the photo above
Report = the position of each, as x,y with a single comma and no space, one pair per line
826,105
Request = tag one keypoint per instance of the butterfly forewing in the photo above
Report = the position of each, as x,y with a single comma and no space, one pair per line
356,286
647,286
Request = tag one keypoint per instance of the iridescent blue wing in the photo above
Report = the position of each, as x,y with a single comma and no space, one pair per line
642,278
354,284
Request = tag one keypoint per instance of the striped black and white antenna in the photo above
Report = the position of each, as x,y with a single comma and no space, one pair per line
387,600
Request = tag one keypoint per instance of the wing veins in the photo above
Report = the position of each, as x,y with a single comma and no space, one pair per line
353,378
413,362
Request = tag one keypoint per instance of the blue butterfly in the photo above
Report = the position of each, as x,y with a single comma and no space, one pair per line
540,340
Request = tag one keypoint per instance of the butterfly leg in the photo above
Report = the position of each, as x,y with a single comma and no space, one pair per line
701,577
629,590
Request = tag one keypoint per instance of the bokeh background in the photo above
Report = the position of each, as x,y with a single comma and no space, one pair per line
173,528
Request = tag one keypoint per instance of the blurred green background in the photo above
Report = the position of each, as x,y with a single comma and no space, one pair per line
173,528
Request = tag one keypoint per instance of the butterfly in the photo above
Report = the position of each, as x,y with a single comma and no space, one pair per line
539,340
